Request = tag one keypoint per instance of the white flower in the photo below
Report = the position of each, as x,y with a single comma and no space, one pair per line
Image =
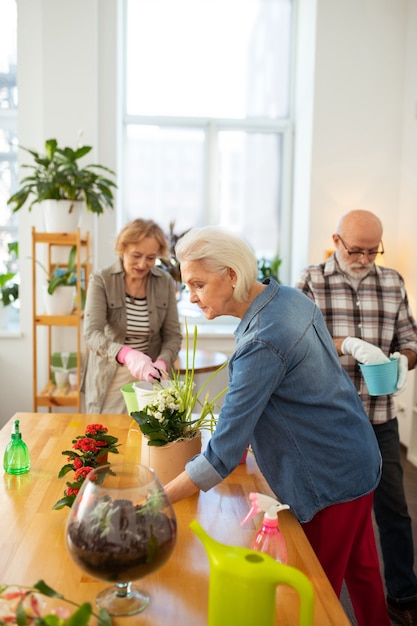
175,411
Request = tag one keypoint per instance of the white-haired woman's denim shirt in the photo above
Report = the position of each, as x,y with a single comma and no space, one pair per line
292,400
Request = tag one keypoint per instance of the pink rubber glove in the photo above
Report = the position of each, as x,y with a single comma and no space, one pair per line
139,364
162,367
402,371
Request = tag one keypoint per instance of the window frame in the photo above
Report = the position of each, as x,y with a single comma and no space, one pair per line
283,126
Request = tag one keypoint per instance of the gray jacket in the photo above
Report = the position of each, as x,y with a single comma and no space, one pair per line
105,327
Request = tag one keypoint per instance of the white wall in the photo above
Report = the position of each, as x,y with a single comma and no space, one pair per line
363,69
407,215
356,143
67,84
364,136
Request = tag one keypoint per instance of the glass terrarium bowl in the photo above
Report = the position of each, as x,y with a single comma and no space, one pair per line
121,527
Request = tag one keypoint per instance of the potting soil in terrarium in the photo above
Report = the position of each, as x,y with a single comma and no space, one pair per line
121,542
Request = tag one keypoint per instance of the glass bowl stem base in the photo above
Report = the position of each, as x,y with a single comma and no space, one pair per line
123,599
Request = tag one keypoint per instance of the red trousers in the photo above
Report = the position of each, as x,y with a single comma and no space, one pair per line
342,536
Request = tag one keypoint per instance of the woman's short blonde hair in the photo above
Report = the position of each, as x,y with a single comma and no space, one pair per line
133,232
217,250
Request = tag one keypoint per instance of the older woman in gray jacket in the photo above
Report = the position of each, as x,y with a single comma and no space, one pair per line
131,326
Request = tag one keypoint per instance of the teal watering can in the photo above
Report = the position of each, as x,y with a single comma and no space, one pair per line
243,583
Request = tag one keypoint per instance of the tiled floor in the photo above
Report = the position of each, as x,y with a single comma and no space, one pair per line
410,483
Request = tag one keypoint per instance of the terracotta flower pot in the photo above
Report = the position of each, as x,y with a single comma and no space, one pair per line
168,461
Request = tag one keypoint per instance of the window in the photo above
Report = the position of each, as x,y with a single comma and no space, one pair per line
207,116
8,131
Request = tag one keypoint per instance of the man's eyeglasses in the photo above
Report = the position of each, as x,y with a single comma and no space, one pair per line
355,255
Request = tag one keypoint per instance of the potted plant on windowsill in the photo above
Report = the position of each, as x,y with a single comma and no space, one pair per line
171,263
60,183
269,268
9,287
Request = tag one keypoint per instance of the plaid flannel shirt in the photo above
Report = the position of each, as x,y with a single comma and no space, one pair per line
378,312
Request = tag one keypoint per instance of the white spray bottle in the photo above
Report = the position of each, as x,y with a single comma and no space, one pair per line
269,539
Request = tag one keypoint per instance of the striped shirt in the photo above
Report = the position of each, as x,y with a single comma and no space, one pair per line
137,323
376,311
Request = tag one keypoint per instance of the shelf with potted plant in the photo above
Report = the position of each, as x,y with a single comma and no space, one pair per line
73,276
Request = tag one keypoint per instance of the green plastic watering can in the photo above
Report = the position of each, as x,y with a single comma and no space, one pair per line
243,583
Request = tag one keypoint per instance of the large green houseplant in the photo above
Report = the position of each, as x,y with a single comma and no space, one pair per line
57,175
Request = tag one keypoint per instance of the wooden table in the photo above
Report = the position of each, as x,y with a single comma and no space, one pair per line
32,544
205,361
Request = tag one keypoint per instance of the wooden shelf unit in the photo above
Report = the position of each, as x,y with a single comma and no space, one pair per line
51,396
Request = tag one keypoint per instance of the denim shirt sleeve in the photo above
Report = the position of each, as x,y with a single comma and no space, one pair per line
254,371
202,473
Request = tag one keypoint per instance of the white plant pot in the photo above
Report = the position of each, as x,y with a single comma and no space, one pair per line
61,302
145,393
62,216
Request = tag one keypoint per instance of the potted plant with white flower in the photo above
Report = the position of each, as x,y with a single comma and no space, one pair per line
172,416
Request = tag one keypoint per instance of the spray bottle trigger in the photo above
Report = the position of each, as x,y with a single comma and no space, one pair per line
253,497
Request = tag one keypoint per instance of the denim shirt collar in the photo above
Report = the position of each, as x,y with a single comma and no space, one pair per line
272,287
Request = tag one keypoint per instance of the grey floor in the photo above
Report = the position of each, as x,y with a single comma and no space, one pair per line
410,483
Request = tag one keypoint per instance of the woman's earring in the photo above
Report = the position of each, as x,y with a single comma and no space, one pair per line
233,286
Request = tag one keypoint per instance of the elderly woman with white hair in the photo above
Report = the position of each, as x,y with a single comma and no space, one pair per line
289,396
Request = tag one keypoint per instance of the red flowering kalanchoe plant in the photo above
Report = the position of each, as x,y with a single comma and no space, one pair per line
89,451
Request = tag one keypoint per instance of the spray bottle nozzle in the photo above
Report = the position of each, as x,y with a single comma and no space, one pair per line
16,434
260,502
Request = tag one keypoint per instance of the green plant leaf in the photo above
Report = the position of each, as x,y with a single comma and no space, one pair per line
21,619
4,278
81,616
9,293
50,148
49,620
72,258
13,248
65,469
103,617
63,502
46,590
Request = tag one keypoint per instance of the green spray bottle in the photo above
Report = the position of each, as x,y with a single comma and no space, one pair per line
242,586
16,458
